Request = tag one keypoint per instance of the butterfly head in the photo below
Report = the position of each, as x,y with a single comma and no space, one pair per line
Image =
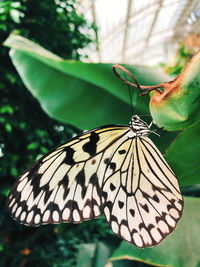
139,126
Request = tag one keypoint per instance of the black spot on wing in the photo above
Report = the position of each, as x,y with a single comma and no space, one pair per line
66,193
69,156
156,188
112,187
121,204
93,179
145,207
36,184
93,161
156,199
47,193
145,195
122,151
83,192
124,222
158,218
109,204
113,218
106,160
169,206
150,227
74,205
132,212
64,181
112,166
91,145
104,195
80,179
142,225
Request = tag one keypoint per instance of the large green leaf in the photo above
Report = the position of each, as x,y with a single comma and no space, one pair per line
88,95
83,94
86,255
180,249
184,156
94,254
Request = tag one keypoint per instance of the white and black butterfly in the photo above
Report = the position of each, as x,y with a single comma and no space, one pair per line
115,170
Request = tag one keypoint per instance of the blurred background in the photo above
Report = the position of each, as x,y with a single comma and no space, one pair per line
159,33
147,32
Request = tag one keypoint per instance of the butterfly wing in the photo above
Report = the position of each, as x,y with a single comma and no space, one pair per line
65,184
141,198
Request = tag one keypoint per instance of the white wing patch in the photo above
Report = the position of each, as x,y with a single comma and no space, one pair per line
141,197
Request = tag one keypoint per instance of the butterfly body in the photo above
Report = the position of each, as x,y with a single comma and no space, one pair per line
115,170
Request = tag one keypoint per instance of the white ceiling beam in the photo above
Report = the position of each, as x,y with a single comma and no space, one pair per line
151,28
126,27
134,16
163,36
153,22
184,15
122,25
178,32
95,21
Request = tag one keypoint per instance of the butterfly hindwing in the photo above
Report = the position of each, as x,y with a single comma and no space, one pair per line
65,185
141,197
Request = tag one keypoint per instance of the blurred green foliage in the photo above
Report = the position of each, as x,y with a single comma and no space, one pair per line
26,132
180,60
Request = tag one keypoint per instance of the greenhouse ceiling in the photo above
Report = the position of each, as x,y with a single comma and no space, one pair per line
140,32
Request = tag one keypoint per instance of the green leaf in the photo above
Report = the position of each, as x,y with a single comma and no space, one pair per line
95,254
33,145
184,155
103,252
6,109
83,94
8,127
85,255
179,249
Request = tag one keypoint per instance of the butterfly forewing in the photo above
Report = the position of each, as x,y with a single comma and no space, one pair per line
65,185
141,198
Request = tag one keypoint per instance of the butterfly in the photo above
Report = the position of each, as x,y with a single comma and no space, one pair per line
114,170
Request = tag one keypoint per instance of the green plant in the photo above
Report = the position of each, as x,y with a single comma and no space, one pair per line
26,132
95,83
180,60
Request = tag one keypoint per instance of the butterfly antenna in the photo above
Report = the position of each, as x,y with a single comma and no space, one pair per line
130,95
